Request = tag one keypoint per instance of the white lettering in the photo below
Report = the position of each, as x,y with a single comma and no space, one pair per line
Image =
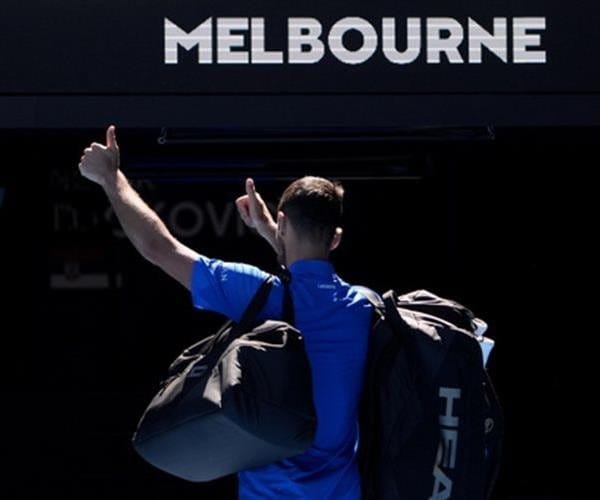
304,32
242,40
413,40
522,40
450,394
446,454
449,439
436,44
201,37
495,42
257,35
442,486
227,40
369,40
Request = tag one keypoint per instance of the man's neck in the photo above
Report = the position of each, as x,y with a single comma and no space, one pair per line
304,254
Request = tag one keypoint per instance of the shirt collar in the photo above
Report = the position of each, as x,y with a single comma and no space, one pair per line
312,266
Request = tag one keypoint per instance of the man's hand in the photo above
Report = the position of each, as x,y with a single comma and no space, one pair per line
142,225
100,163
255,213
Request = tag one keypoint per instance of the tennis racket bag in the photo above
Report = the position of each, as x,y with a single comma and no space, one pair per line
431,424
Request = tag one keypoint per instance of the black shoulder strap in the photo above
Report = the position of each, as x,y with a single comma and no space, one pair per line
288,305
256,304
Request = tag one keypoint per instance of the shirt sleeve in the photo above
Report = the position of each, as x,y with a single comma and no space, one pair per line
227,287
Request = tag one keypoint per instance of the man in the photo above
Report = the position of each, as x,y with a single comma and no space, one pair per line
333,317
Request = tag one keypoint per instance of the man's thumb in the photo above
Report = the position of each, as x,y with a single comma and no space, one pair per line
250,188
111,138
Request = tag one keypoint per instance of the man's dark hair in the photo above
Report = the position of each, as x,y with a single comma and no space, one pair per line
314,207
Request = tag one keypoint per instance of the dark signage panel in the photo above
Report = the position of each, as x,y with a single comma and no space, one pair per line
269,47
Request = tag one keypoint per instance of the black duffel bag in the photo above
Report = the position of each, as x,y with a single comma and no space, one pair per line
240,398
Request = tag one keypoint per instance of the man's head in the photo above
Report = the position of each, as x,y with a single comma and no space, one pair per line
309,217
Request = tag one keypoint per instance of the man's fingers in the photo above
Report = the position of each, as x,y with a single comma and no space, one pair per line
111,138
250,187
92,152
255,198
243,207
241,203
251,191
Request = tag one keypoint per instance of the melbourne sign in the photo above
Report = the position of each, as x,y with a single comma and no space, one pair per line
269,47
242,40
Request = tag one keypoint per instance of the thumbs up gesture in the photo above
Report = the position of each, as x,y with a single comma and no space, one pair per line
254,211
100,163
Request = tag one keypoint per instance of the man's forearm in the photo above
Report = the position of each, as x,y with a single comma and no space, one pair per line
141,224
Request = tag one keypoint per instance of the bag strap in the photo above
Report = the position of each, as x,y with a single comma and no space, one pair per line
370,416
260,298
256,304
288,305
390,300
385,306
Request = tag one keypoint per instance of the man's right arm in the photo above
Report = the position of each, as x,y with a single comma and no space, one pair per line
148,233
143,227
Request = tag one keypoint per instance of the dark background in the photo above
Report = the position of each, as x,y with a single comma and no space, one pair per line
504,226
476,182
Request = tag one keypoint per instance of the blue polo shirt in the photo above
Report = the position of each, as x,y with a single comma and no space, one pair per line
334,319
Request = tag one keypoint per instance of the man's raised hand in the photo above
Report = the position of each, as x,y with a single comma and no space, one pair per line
255,213
100,163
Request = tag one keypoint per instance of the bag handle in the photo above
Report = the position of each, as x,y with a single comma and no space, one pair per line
384,306
390,300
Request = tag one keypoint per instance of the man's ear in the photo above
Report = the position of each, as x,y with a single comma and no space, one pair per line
281,224
337,238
